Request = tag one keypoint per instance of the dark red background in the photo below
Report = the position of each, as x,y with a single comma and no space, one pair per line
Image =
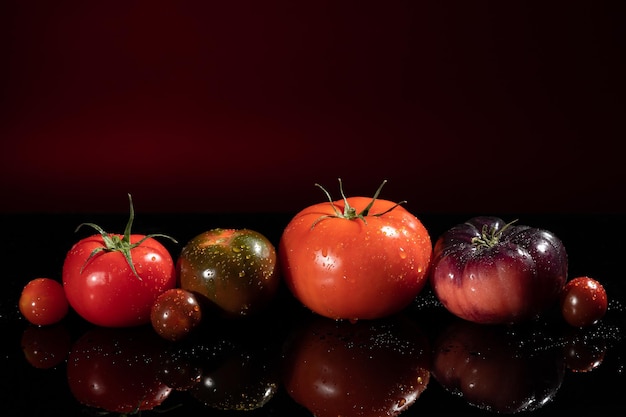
230,106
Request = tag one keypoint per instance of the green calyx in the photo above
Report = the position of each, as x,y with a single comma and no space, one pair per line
489,236
115,243
349,212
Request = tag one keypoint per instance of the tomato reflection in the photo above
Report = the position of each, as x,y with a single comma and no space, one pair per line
117,370
494,368
368,368
45,346
238,367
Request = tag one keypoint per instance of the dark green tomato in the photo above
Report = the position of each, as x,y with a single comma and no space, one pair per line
235,269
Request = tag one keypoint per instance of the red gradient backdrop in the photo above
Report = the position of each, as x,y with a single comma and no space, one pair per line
231,106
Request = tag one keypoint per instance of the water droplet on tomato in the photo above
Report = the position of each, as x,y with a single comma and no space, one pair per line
402,253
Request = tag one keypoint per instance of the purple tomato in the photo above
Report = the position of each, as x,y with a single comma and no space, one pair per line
489,271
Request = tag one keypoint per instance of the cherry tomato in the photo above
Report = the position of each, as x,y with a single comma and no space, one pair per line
583,301
175,314
369,368
487,271
235,270
43,302
117,370
355,258
113,280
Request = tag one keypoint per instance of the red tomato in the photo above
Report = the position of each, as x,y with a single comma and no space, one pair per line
43,302
113,280
583,301
356,258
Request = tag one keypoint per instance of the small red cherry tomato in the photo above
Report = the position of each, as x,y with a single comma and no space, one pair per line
43,302
583,301
175,313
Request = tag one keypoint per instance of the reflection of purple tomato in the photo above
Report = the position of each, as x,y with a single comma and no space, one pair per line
486,366
370,368
487,271
117,369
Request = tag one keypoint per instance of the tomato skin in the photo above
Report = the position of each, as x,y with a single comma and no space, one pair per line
354,268
175,314
583,301
514,278
107,292
43,302
234,269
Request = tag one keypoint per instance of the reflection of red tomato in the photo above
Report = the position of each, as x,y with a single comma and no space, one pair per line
484,365
117,369
356,258
370,368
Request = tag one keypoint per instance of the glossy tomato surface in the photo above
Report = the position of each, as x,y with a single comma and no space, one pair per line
355,268
368,368
104,289
43,302
488,271
175,314
234,269
583,301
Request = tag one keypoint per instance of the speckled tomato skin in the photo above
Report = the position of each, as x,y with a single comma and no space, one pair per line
512,281
235,270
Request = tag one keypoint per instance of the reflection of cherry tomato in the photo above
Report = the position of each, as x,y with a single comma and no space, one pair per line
47,346
369,368
43,301
356,258
234,269
582,355
117,369
583,301
485,365
175,314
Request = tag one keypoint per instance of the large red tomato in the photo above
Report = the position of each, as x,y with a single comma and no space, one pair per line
112,280
355,258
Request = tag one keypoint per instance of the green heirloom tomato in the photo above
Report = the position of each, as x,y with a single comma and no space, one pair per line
235,269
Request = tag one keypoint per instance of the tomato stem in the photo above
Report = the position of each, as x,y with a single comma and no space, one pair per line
489,236
350,212
113,243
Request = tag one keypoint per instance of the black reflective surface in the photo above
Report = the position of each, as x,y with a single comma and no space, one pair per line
287,361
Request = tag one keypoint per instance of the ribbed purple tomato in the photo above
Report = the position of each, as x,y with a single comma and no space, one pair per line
489,271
